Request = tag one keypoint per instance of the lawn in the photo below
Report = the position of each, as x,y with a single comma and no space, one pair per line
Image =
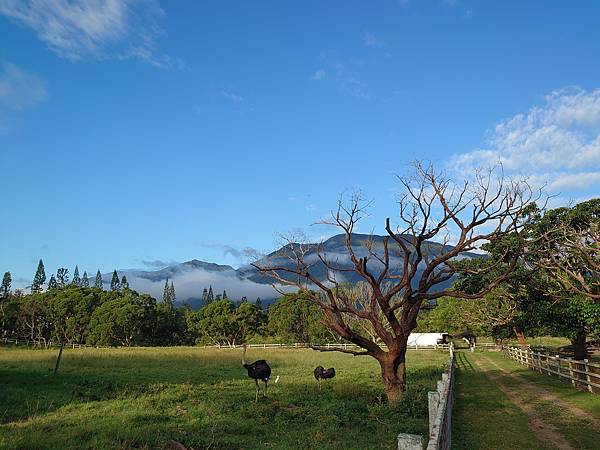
202,398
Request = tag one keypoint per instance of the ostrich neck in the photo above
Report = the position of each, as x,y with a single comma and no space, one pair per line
244,357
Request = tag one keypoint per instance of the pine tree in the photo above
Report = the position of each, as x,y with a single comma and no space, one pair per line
172,293
244,299
85,281
225,295
204,297
210,296
76,279
258,303
98,280
115,285
124,283
166,298
52,284
62,277
39,279
6,281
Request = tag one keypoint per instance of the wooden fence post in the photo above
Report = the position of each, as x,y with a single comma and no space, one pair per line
588,378
571,373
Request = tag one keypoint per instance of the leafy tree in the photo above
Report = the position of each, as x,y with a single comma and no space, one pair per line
5,287
52,284
432,207
129,319
293,318
115,284
171,327
218,297
124,282
62,277
85,281
98,280
221,323
39,279
76,278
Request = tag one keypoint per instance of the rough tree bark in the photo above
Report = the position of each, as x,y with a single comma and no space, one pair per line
402,270
520,337
580,345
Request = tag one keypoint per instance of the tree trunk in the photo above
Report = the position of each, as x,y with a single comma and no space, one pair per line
520,337
393,375
580,347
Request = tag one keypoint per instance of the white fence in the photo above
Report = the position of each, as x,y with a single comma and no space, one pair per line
344,346
440,414
581,373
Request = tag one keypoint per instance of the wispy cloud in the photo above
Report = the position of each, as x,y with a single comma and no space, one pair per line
157,263
240,254
318,75
558,142
95,29
342,73
18,88
370,40
232,97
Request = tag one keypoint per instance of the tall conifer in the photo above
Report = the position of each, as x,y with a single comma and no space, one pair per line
115,285
5,288
39,279
76,279
98,280
52,284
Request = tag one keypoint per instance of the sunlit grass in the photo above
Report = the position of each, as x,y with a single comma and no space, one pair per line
147,397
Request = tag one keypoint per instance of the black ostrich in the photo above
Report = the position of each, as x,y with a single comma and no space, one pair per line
322,374
258,370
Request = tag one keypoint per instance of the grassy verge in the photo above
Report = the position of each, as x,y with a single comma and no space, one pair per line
148,397
483,417
563,390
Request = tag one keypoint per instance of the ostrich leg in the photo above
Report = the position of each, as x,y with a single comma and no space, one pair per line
256,381
266,387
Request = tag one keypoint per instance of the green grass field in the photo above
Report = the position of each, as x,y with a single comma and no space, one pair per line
202,398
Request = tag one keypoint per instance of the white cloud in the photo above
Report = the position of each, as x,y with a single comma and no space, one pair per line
190,284
371,40
318,75
232,97
97,29
557,143
19,89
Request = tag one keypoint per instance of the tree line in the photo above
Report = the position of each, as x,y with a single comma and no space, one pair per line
75,313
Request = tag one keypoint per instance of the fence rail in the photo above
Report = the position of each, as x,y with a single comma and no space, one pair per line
582,374
344,346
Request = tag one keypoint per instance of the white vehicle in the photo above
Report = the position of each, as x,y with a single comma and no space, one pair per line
427,339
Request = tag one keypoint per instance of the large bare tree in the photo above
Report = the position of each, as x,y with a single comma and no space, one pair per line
403,270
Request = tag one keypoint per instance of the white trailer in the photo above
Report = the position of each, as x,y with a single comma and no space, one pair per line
427,339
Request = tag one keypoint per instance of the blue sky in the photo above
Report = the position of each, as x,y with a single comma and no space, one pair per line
138,132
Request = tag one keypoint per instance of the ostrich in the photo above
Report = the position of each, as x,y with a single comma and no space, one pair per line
322,374
258,370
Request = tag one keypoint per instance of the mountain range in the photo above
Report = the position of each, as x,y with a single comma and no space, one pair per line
191,277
